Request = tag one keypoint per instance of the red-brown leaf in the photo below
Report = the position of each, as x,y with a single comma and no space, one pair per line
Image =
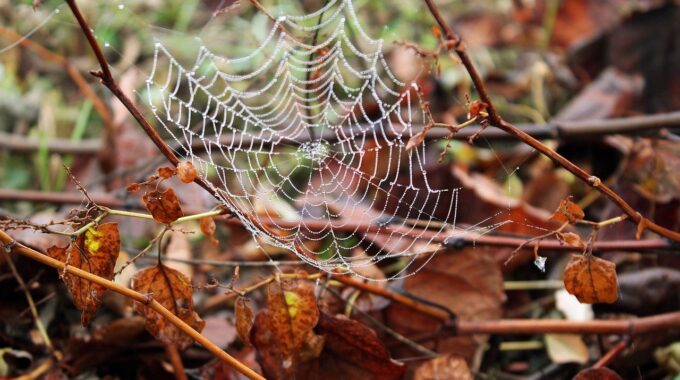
449,367
244,316
208,228
163,206
96,252
186,172
597,374
173,290
591,279
568,211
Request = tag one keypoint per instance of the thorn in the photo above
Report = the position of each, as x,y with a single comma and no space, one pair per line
97,73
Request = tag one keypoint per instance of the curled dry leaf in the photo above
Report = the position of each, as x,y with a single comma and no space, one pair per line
186,172
166,172
477,108
95,251
591,279
163,206
571,239
133,187
173,290
208,228
416,139
568,211
450,367
244,318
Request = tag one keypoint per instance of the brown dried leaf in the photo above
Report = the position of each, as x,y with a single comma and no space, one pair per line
476,108
452,279
96,252
186,172
166,172
571,239
173,290
597,374
244,318
133,187
208,228
591,279
163,206
568,211
293,313
416,139
351,351
281,331
449,367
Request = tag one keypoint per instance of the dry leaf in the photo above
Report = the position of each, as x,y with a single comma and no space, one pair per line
208,228
571,238
351,351
452,279
450,367
133,187
166,172
244,318
186,172
281,331
416,139
591,279
164,207
568,211
173,290
597,374
476,108
95,251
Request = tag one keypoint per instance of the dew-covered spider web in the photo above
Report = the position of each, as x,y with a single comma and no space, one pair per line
309,148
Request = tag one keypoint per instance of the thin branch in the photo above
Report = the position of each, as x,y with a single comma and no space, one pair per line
12,246
462,238
455,43
557,130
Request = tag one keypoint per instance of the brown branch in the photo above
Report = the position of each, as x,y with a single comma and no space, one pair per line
633,326
612,353
559,130
11,245
455,43
464,239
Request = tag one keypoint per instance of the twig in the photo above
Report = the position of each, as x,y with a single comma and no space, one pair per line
11,245
31,304
176,361
556,130
461,240
633,326
612,353
455,43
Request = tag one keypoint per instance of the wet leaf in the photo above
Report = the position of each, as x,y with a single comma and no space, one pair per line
186,172
244,318
449,367
208,228
166,172
163,206
591,279
571,238
597,374
293,313
281,331
96,252
568,211
173,290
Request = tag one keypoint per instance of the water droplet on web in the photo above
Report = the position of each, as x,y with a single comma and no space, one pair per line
106,44
540,262
121,6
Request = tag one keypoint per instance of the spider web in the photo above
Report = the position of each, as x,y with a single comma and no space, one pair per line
310,144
